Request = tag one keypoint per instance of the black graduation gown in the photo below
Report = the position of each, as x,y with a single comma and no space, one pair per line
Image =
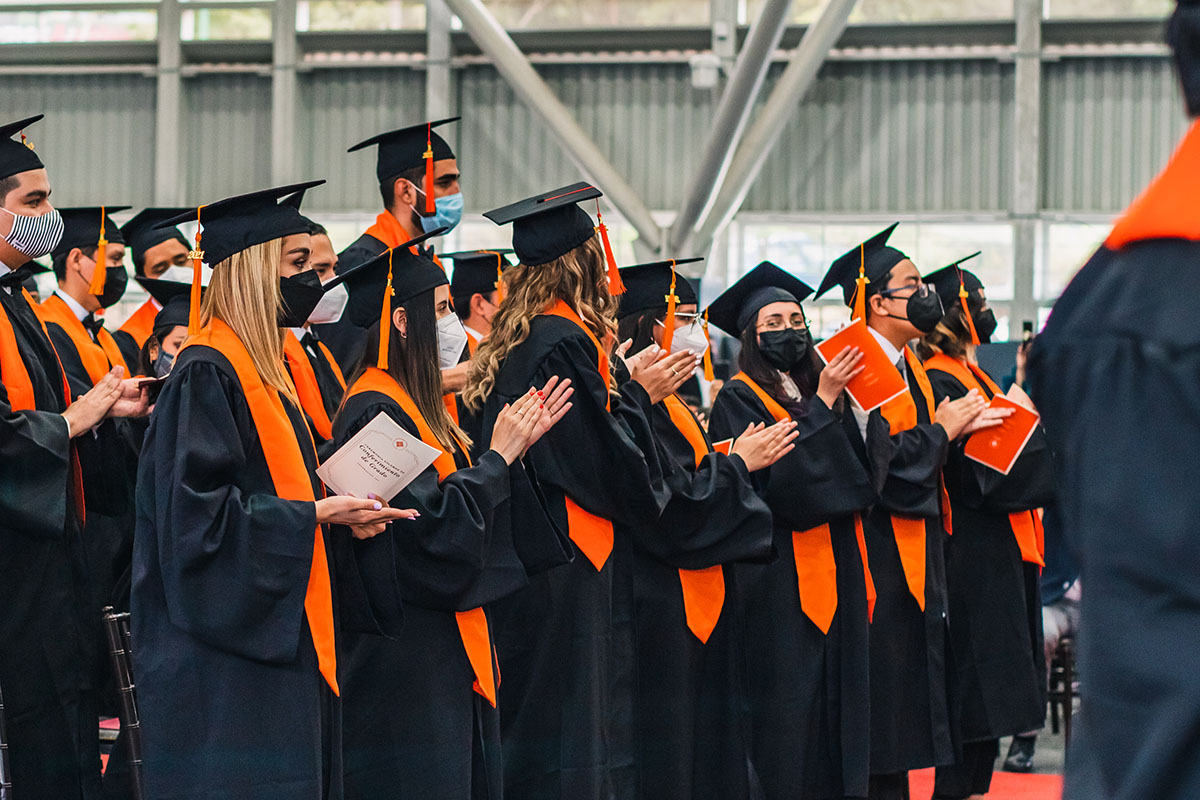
808,690
331,395
998,664
910,722
231,701
46,639
129,350
413,725
1114,376
562,706
692,735
343,338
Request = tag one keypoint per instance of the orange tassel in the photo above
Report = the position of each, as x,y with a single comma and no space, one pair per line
499,279
962,298
708,365
197,257
860,287
96,287
616,286
385,319
669,320
430,206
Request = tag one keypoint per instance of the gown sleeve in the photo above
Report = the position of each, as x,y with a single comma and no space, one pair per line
820,479
1029,484
912,486
35,470
77,375
234,558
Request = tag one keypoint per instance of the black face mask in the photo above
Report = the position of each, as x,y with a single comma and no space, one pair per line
783,350
985,325
301,293
923,312
116,279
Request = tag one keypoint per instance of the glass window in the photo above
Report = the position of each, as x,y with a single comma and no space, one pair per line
1119,9
869,11
205,24
359,15
542,14
26,27
1068,246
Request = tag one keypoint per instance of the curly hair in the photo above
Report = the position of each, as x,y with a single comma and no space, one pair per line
578,278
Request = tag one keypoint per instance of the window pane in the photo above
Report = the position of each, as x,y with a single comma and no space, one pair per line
868,11
1109,8
1068,247
203,24
360,15
523,14
18,27
940,245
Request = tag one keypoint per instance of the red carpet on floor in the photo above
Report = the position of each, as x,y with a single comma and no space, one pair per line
1005,786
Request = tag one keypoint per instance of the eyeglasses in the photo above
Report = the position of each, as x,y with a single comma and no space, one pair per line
920,290
683,319
779,324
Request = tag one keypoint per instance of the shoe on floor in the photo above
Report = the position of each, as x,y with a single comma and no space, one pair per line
1020,754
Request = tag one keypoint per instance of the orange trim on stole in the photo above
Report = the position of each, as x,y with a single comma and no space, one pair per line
141,324
13,372
816,568
703,589
1166,209
388,230
98,356
592,534
473,624
290,476
1024,524
307,388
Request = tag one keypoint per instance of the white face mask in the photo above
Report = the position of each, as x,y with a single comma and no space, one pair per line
184,275
331,306
451,338
690,338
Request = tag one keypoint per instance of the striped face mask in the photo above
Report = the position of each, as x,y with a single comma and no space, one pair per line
34,237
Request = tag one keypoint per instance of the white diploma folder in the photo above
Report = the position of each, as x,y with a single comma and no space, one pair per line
381,459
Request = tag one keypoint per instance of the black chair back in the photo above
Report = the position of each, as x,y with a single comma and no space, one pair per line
120,649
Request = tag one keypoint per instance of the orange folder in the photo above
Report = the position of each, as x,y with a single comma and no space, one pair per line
999,447
723,446
880,381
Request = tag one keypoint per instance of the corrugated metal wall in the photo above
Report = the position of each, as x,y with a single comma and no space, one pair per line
903,136
1109,126
98,135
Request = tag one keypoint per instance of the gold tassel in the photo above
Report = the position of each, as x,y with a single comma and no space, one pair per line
385,318
197,257
860,287
96,287
708,365
669,320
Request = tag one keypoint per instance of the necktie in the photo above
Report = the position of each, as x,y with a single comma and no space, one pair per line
93,325
309,342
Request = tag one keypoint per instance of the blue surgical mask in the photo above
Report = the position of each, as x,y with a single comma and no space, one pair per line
448,211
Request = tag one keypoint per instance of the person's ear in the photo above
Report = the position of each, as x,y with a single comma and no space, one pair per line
403,191
75,261
875,303
400,321
478,303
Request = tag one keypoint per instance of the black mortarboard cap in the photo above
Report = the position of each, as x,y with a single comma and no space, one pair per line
141,232
412,274
404,148
477,271
765,284
648,286
548,225
173,296
874,254
946,280
17,155
81,228
235,224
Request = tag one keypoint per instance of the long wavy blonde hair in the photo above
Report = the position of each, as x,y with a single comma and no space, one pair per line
244,294
579,278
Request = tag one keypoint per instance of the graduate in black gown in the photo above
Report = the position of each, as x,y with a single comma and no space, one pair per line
565,706
239,588
47,630
675,576
1114,376
805,614
907,441
414,726
993,557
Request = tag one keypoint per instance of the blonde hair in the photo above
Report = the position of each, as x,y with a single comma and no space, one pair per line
244,294
579,278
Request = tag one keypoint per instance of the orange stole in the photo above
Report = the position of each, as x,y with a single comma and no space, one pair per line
592,534
141,324
473,624
901,414
1166,209
290,476
703,589
816,568
307,388
98,356
388,230
1026,525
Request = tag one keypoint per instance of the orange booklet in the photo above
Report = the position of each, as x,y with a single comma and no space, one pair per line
880,381
723,446
1001,446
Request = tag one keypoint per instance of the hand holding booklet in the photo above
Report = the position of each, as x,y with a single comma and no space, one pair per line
381,459
879,381
1001,446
